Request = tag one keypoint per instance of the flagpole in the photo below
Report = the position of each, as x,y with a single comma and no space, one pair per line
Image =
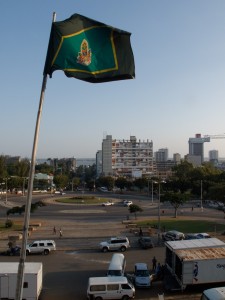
20,274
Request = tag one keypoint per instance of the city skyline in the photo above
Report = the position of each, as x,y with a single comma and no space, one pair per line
170,155
178,91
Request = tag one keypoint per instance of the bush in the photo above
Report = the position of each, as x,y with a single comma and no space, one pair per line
8,223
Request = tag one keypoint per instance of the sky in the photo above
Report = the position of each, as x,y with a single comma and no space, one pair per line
179,89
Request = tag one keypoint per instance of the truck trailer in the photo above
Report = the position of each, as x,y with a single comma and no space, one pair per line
32,285
191,263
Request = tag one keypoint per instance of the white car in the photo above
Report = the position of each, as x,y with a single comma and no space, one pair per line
115,243
107,203
103,189
127,203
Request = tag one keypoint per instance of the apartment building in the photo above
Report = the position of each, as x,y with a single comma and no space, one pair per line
132,158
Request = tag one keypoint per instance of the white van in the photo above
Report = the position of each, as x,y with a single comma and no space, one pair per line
214,294
142,277
117,265
113,287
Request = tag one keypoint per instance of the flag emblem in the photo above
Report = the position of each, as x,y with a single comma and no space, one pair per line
89,50
84,56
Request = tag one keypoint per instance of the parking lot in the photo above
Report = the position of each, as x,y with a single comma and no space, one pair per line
78,257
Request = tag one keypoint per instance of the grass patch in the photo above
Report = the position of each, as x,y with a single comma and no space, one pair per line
15,227
185,226
82,200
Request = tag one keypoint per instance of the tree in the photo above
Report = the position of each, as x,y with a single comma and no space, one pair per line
121,183
22,168
106,181
44,168
133,208
175,199
61,181
140,183
217,192
75,183
3,169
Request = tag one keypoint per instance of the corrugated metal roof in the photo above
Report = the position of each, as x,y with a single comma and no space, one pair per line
12,267
201,253
197,243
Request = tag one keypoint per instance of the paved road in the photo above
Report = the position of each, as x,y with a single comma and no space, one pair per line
78,257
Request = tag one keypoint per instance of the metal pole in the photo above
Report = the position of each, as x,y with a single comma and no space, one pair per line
6,186
152,191
201,197
20,274
159,215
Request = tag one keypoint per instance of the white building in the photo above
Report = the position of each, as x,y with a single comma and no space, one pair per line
127,157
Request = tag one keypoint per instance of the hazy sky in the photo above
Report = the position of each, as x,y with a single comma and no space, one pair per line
179,90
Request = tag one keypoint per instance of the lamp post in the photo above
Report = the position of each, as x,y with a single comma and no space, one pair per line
1,189
24,179
159,200
152,192
201,197
6,189
6,192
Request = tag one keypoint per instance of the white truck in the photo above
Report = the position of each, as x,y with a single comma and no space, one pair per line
32,285
192,262
217,293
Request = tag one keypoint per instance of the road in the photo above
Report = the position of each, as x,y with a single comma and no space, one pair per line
66,273
78,257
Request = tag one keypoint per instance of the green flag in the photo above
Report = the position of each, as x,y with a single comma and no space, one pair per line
89,50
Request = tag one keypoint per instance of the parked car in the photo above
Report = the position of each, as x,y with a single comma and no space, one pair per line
203,235
43,247
13,251
103,189
107,203
115,243
145,242
191,236
173,235
142,277
127,203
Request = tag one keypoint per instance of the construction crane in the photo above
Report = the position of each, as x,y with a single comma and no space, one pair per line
215,136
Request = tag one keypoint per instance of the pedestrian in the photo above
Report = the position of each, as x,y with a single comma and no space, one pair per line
140,232
158,270
60,232
192,208
154,261
54,230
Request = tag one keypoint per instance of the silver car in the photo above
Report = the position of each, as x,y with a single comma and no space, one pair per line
43,247
173,235
115,243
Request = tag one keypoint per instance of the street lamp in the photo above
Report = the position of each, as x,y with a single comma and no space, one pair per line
159,200
6,192
152,192
6,189
159,204
24,179
201,197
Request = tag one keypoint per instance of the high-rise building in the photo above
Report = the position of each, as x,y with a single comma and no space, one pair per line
177,157
127,157
99,163
213,155
161,155
196,146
